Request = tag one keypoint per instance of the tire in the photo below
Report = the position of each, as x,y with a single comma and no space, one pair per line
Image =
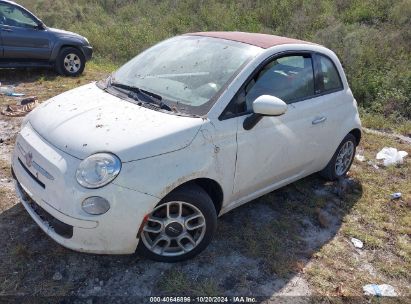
70,62
332,171
197,209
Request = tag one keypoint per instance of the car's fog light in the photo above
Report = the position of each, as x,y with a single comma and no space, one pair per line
95,205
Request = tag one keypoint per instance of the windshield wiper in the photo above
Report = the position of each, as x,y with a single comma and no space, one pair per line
142,95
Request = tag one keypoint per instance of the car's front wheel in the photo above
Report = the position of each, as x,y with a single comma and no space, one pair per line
180,227
70,62
342,159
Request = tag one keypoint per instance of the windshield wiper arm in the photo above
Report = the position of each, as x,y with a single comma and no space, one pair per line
142,95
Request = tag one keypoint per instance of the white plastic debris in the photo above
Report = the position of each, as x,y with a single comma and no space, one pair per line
383,290
6,90
360,157
391,156
396,195
357,243
373,165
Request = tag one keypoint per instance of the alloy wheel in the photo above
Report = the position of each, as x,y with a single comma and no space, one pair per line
72,63
344,158
174,228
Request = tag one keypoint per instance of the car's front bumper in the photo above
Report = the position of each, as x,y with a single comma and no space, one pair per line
87,51
55,202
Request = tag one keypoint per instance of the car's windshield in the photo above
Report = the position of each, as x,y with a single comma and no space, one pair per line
188,71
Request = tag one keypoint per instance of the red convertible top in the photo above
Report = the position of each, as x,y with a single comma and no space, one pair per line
261,40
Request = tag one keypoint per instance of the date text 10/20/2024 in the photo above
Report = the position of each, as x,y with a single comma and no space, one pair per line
238,299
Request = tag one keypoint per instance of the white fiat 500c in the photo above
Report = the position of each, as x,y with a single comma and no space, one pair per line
189,129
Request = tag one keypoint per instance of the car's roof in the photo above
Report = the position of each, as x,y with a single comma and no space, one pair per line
264,41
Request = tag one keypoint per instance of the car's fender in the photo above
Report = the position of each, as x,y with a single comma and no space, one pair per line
350,123
62,42
211,155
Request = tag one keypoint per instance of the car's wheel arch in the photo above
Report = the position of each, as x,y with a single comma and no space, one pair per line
60,47
210,186
357,134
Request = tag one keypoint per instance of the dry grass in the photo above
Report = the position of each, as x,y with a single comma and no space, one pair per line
177,282
45,83
388,124
384,225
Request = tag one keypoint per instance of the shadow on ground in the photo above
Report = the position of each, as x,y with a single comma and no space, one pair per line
258,249
23,75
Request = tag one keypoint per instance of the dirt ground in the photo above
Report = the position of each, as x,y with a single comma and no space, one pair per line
283,247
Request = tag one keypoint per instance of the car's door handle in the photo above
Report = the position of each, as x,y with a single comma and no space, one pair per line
319,120
5,29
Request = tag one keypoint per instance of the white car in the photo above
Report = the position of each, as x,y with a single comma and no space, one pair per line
186,131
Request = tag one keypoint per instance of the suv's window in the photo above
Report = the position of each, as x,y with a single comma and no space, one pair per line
13,16
290,78
330,78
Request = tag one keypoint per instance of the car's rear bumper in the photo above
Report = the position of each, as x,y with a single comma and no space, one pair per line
87,51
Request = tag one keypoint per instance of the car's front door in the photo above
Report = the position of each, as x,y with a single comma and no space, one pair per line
278,149
22,38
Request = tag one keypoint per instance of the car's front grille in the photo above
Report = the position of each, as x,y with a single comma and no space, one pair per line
41,184
59,227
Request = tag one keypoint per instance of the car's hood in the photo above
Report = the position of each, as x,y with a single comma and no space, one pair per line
88,120
63,33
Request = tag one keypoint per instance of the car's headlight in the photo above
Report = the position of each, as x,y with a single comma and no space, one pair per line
98,170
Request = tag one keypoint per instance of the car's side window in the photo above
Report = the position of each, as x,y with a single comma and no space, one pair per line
329,78
14,16
289,77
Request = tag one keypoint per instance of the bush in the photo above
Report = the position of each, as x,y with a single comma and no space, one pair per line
371,37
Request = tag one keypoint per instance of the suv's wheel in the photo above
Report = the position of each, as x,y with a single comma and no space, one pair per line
70,62
180,227
342,159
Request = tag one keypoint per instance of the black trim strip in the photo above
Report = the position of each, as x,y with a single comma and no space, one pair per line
41,184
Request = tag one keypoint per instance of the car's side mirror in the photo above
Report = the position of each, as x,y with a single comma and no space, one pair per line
41,26
269,106
264,105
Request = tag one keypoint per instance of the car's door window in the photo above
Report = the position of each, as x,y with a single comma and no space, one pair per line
290,78
330,79
14,16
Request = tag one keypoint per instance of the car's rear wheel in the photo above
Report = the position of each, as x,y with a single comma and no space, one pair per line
70,62
342,159
180,227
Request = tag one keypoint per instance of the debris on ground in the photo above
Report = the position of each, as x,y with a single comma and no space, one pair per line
357,243
26,106
391,156
373,165
383,290
396,195
28,100
6,90
360,157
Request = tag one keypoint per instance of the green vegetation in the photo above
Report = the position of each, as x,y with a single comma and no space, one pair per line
371,37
